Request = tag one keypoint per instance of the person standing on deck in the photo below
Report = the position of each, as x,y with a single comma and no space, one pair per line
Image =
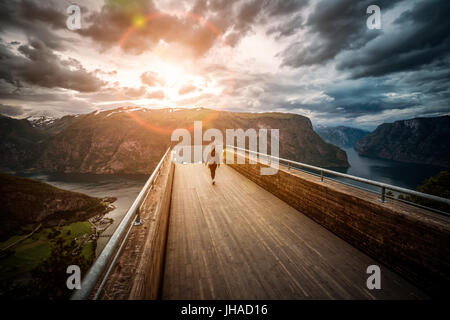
213,163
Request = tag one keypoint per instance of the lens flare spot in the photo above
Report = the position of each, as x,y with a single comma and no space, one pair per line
139,21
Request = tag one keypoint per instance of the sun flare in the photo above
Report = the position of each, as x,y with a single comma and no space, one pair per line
172,74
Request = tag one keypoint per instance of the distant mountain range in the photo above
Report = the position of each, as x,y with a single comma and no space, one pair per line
419,140
343,137
132,140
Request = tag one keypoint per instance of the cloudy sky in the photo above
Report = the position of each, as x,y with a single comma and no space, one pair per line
312,57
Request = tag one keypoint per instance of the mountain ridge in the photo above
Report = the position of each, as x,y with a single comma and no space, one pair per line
417,140
131,140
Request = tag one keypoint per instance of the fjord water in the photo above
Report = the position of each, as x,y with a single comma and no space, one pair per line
405,175
124,187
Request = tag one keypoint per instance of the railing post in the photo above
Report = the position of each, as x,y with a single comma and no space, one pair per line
383,195
289,167
321,175
138,221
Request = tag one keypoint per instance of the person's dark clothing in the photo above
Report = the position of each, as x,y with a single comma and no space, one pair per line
212,167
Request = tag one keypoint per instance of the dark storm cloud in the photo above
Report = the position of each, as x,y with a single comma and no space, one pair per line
405,67
40,101
11,111
284,7
333,26
36,94
347,99
421,37
247,15
253,13
431,80
39,65
109,26
353,98
36,20
288,28
238,18
46,13
400,68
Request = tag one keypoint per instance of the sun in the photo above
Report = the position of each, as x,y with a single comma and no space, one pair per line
172,74
175,82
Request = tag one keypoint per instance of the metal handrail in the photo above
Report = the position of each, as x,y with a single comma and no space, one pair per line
375,192
383,186
103,261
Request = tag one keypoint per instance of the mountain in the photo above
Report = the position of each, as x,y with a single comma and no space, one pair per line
116,141
343,137
40,121
51,125
419,140
20,143
26,203
132,140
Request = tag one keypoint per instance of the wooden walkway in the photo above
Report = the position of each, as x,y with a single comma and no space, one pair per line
235,240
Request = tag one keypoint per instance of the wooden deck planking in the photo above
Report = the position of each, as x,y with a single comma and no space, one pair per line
236,240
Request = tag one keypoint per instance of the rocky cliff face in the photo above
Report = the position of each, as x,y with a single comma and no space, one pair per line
132,140
26,203
298,141
420,140
344,137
